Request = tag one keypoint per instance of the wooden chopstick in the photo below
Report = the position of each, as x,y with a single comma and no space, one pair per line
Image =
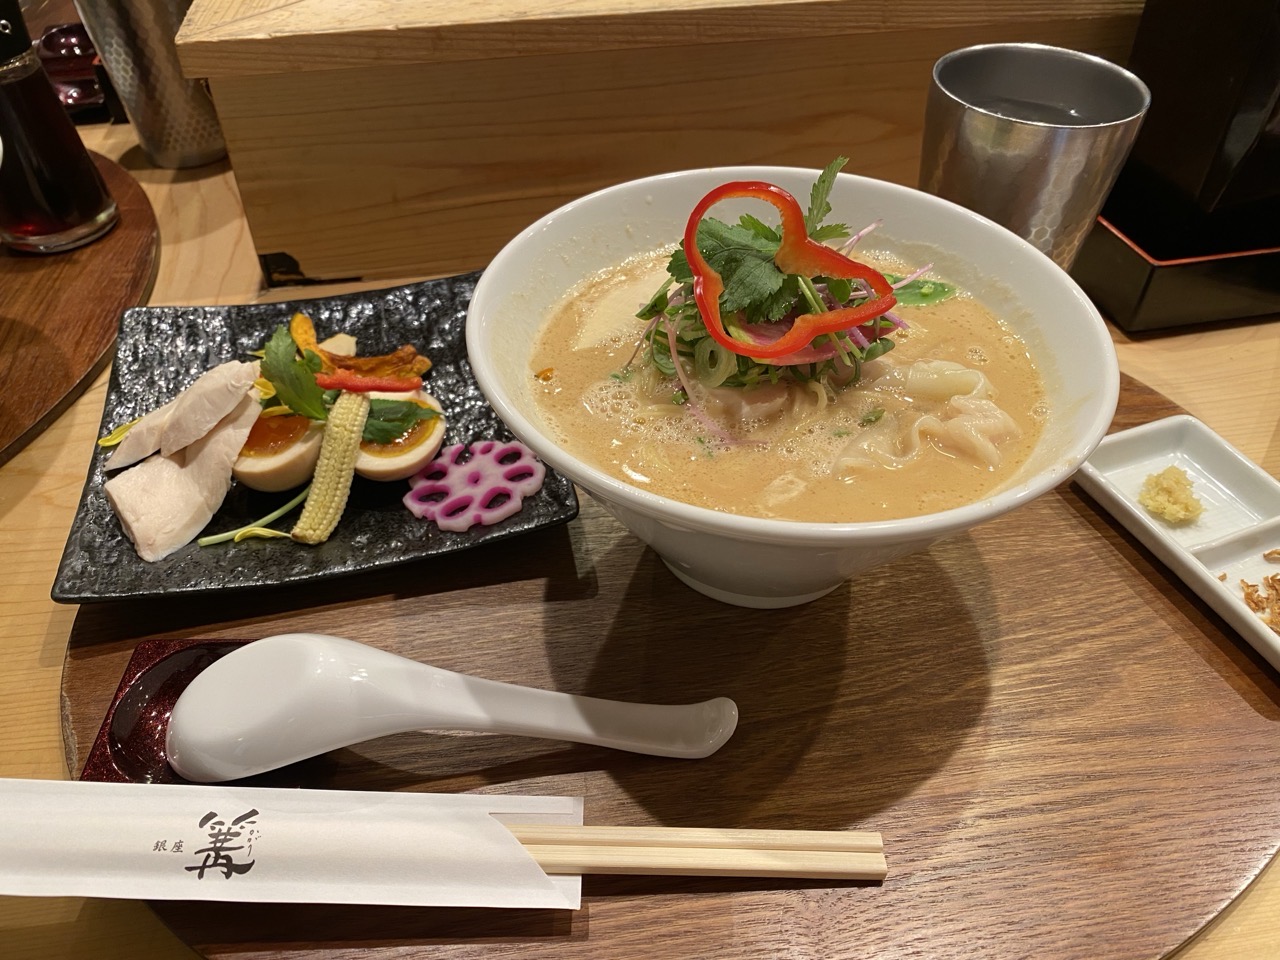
707,852
709,862
851,841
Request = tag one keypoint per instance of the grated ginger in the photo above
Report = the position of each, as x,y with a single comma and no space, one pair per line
1169,496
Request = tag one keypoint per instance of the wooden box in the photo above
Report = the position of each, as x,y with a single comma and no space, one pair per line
415,137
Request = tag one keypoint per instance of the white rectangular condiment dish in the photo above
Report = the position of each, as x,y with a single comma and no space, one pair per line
1240,522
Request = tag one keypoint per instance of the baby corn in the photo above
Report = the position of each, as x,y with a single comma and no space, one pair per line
334,470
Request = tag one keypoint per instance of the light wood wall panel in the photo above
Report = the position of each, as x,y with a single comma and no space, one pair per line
415,168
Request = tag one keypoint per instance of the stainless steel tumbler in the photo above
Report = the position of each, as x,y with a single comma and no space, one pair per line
1031,137
173,116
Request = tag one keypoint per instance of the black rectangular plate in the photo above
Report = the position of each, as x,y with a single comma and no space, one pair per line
161,350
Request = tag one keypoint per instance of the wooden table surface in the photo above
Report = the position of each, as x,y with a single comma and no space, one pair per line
1228,375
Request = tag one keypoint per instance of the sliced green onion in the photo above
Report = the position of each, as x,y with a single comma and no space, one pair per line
712,363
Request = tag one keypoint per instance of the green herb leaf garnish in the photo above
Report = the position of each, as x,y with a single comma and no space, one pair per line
294,379
871,416
760,228
391,419
820,203
744,261
921,292
877,348
755,291
657,303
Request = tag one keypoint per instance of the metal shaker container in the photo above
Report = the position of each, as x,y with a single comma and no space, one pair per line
173,116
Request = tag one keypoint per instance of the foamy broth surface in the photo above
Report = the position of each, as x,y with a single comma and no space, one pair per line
633,431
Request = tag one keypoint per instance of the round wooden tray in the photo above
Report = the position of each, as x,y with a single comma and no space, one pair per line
59,313
1067,753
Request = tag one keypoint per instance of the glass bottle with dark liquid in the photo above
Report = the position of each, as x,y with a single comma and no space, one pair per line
51,195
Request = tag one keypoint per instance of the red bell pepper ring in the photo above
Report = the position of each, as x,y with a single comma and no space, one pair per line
360,383
797,254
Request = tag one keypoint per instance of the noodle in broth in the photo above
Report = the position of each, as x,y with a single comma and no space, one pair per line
943,420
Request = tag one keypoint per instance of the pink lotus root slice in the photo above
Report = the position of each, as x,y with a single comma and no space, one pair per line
484,483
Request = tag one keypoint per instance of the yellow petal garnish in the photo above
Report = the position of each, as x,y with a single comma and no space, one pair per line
303,332
266,389
265,532
116,435
277,411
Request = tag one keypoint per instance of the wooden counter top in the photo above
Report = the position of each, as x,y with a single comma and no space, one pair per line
1228,375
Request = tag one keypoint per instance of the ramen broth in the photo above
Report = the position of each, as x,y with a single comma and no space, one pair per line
944,419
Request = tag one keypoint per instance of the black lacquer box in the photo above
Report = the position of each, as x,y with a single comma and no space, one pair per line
1191,231
1143,278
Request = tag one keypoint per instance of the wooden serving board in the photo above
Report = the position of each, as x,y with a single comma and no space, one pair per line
1067,753
59,312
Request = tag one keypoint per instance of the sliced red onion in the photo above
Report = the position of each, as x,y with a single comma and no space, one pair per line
486,487
691,402
915,276
640,342
853,241
858,337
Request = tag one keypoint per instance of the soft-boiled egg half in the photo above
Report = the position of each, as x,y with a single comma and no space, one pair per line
280,453
408,454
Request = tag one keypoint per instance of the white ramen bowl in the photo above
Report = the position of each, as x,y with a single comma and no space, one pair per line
758,562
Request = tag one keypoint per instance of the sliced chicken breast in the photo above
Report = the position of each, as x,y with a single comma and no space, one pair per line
203,404
165,501
142,440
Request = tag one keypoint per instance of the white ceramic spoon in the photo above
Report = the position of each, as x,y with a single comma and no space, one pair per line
285,698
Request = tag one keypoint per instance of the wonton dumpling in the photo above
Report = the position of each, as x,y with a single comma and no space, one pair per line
966,421
752,403
975,430
936,380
